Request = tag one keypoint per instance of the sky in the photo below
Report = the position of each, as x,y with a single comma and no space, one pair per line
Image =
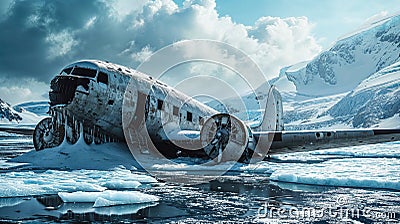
40,37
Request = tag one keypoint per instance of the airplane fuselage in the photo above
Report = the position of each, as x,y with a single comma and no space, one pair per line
92,93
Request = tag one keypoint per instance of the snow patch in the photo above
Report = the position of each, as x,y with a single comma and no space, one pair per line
81,156
368,166
108,198
28,183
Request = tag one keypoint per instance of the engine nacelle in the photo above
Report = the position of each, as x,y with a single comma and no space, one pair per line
224,137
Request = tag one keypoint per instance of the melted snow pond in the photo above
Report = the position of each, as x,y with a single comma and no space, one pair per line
80,183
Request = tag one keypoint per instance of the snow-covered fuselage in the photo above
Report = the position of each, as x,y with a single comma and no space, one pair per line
91,93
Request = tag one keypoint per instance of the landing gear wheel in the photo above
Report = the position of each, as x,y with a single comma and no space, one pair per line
224,137
47,134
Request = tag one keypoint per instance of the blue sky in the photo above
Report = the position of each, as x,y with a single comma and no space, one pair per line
332,18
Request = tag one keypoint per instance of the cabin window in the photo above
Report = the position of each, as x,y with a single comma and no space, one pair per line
87,72
66,71
189,116
175,111
102,77
160,104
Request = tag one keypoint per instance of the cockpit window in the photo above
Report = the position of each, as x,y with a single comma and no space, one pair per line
103,77
66,71
87,72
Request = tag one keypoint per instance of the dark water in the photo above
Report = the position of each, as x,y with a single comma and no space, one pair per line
236,197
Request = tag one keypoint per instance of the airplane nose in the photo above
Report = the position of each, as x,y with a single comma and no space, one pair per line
63,89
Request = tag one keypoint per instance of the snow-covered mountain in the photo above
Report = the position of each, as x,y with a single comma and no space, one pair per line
376,99
351,60
375,102
8,114
25,113
354,84
37,107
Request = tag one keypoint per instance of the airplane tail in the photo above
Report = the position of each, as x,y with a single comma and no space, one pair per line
273,112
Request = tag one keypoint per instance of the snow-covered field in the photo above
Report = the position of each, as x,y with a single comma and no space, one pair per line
89,179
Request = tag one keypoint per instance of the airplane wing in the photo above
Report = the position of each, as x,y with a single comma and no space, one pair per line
301,141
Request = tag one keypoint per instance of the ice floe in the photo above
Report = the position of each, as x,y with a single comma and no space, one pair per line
28,183
108,198
367,166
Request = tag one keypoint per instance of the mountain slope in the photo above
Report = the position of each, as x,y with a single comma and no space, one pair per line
8,114
349,61
375,102
375,99
39,108
25,113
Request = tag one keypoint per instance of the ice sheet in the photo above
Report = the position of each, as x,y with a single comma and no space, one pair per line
367,166
356,172
112,198
108,198
27,183
84,208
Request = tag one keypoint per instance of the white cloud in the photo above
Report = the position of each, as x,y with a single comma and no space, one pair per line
60,43
142,55
26,90
272,42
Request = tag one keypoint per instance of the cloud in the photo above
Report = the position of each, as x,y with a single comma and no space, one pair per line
61,43
17,91
43,36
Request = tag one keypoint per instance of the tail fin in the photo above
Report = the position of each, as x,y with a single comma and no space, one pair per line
273,112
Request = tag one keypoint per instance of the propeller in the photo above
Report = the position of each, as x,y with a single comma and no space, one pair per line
224,137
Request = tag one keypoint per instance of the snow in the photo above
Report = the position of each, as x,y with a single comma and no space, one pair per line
391,122
81,208
368,166
79,196
373,103
108,198
363,67
29,183
81,156
111,198
33,113
346,173
39,108
71,168
30,118
122,184
350,61
4,164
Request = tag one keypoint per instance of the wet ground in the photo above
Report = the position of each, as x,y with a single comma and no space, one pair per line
238,196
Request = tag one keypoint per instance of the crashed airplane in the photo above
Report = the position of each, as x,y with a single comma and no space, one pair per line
87,99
